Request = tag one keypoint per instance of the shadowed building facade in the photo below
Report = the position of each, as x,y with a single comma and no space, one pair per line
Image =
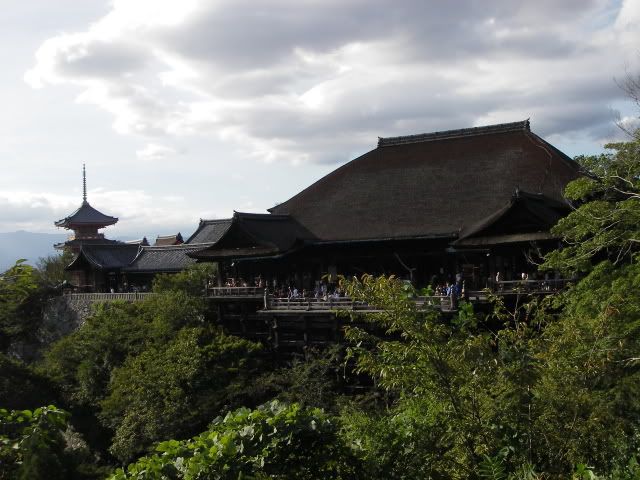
426,207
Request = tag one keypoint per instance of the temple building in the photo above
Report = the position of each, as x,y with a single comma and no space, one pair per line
429,207
104,265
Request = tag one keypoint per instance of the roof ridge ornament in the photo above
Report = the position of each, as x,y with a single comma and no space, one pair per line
84,184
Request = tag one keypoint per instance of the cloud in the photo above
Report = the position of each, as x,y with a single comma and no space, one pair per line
319,80
138,211
154,152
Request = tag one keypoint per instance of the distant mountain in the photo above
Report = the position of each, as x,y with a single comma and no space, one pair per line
21,244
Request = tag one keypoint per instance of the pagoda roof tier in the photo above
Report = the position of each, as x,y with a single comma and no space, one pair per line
86,215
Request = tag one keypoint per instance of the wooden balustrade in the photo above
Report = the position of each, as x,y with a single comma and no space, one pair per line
235,291
542,286
109,297
345,303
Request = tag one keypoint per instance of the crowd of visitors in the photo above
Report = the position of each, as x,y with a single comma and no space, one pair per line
455,287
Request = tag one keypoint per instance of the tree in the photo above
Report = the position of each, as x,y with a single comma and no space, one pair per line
193,280
32,445
606,222
449,376
21,387
274,441
51,269
17,288
172,390
542,391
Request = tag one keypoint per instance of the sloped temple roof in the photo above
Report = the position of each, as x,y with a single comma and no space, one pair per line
525,217
105,256
86,215
164,240
256,234
134,258
430,185
172,258
209,231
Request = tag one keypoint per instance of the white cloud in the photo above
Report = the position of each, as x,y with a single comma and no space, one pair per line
154,152
315,81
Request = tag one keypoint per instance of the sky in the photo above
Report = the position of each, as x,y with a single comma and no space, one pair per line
191,109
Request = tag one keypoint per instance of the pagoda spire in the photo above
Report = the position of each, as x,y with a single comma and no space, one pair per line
84,184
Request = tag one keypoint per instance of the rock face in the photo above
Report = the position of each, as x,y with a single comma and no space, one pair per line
62,315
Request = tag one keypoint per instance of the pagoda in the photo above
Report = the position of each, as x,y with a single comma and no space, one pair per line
85,223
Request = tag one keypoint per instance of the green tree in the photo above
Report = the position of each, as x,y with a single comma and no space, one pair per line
192,280
21,387
606,222
587,407
546,390
449,375
51,269
32,445
274,441
172,390
18,287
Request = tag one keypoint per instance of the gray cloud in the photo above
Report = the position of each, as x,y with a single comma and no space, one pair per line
315,81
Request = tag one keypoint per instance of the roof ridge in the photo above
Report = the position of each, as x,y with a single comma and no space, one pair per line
182,246
262,215
462,132
214,220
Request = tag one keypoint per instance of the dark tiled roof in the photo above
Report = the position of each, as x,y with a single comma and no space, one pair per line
209,231
86,215
171,258
430,185
164,240
257,234
106,256
525,214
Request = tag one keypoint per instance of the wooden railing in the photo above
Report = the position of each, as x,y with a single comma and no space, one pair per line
345,303
235,291
542,286
109,297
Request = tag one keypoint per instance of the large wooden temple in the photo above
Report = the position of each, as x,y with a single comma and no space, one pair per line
470,202
429,208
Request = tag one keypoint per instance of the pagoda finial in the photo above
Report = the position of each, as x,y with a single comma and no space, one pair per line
84,183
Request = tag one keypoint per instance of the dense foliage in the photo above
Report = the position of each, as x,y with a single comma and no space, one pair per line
32,444
18,286
272,441
606,222
149,371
